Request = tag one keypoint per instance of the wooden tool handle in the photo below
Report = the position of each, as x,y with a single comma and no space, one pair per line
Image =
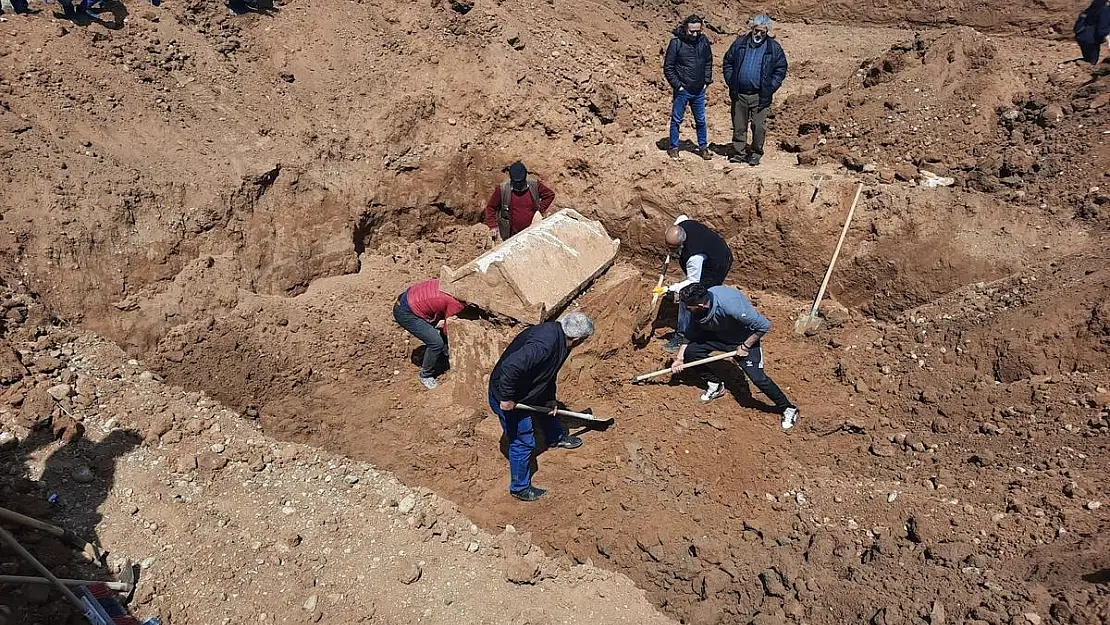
662,276
685,366
566,413
836,252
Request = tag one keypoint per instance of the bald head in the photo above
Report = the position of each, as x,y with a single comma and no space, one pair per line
675,237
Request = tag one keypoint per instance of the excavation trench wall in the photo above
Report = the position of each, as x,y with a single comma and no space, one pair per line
279,304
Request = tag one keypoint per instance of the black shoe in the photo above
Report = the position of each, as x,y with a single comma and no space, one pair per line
754,159
673,153
568,442
739,159
528,494
704,153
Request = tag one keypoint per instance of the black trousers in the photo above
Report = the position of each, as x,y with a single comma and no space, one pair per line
752,366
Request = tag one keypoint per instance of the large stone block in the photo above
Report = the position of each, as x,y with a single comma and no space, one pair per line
531,276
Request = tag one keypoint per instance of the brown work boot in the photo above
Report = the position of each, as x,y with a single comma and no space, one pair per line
704,153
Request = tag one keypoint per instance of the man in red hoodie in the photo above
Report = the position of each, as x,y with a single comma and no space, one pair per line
514,203
423,310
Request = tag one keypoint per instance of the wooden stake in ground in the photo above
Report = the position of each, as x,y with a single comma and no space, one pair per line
810,321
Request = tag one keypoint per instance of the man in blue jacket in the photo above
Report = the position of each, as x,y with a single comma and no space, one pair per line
723,320
754,68
688,67
526,374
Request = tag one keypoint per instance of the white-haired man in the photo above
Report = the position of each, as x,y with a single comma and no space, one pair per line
526,374
754,68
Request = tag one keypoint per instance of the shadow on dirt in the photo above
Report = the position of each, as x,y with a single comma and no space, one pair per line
75,481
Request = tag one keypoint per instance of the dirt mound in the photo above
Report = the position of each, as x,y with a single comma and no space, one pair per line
926,103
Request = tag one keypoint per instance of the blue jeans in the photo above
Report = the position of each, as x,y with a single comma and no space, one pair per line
678,113
518,426
683,319
435,354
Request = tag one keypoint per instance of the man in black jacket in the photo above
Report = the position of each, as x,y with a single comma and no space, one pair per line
705,258
526,374
688,67
754,68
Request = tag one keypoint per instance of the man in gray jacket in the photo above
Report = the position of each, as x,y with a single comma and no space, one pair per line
724,320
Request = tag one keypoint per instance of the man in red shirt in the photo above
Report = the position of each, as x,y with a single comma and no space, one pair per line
514,203
423,310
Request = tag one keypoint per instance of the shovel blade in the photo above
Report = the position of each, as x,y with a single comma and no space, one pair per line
807,324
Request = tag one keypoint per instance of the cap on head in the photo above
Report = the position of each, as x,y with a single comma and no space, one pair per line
694,294
518,173
675,237
577,325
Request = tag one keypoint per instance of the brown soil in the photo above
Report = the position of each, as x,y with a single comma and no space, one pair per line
238,201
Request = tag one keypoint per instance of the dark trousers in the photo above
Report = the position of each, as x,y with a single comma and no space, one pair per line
519,428
752,366
435,355
1091,51
745,111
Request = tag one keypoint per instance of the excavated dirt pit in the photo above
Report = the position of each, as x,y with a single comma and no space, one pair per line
952,450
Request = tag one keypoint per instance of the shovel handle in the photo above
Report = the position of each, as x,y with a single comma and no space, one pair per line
565,413
836,252
685,366
62,534
14,545
659,283
42,581
15,517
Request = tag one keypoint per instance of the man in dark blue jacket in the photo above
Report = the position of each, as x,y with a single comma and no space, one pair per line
724,320
754,68
526,374
1092,29
688,67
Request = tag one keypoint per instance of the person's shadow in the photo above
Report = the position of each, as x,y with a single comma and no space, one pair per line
541,441
686,145
734,379
115,8
262,7
75,481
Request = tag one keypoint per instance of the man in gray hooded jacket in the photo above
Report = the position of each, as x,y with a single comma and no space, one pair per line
724,320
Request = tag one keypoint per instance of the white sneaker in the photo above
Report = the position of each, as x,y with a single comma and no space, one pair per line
429,382
789,417
715,390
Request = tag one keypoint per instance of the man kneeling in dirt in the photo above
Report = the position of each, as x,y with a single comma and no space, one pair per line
515,202
526,374
723,320
423,310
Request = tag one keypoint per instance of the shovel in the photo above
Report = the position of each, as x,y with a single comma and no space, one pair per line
90,552
685,366
816,188
809,322
645,319
565,413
